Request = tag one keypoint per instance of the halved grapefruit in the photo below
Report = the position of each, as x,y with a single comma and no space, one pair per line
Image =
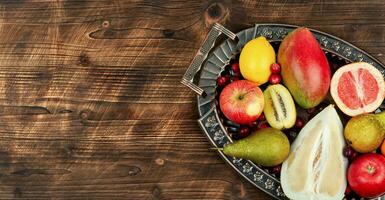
357,88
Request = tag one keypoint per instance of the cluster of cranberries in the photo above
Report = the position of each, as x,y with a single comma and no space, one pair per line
235,74
230,74
349,153
238,131
275,77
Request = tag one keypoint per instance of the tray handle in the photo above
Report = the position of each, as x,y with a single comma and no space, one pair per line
201,56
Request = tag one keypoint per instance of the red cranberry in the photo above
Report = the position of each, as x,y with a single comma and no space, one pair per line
275,68
276,169
253,124
275,79
299,123
349,153
244,131
235,67
353,155
262,117
263,125
222,81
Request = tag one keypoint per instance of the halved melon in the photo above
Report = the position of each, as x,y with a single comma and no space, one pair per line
316,167
357,88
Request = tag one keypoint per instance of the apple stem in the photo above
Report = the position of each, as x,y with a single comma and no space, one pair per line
371,169
217,149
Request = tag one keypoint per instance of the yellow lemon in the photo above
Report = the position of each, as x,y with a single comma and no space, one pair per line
255,60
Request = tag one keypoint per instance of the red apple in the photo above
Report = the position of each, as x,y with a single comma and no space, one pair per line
366,175
241,101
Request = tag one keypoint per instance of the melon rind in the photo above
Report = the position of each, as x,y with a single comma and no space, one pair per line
325,128
352,67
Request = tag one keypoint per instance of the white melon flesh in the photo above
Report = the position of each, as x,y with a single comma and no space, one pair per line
316,167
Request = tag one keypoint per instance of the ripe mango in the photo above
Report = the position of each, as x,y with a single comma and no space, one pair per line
305,69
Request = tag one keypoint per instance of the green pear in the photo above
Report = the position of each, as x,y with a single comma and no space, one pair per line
366,132
266,147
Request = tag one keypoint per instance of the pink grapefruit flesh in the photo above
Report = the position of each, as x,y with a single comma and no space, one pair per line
357,88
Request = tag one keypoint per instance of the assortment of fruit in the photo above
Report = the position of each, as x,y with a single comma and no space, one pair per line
280,113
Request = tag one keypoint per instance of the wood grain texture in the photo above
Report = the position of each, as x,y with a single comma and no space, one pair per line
90,101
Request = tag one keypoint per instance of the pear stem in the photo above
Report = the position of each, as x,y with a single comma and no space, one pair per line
217,149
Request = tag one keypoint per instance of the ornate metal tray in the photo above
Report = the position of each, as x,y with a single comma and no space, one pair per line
210,68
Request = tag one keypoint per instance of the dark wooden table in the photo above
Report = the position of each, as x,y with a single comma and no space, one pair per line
91,104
